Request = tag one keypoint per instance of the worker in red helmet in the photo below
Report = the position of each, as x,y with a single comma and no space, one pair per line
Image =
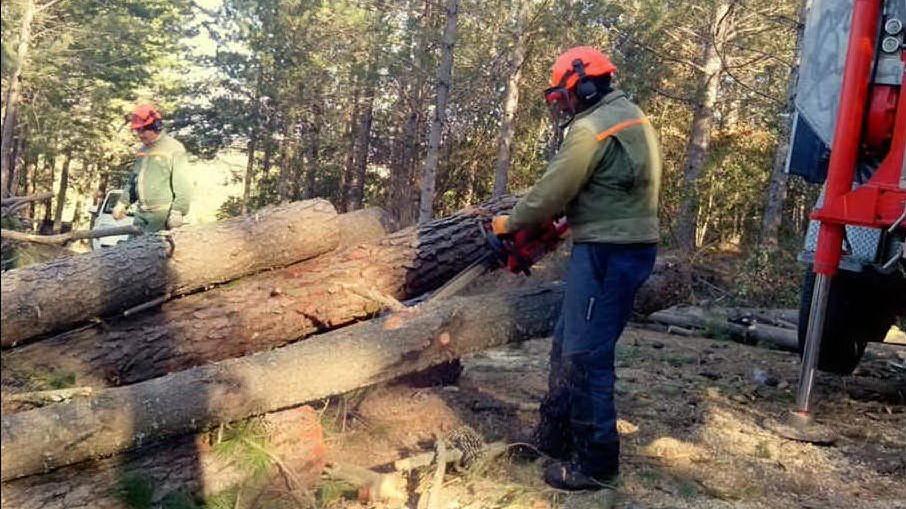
605,178
159,186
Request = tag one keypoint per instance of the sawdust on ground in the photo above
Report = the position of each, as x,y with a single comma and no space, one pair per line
691,417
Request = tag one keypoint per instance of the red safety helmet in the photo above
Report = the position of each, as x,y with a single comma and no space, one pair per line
569,77
143,116
564,74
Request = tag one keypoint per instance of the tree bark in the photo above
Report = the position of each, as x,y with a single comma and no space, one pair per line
53,296
697,149
61,195
364,354
351,130
189,464
444,82
510,105
356,195
284,182
252,145
265,311
13,94
313,159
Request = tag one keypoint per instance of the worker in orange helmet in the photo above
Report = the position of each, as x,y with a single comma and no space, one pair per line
605,178
159,185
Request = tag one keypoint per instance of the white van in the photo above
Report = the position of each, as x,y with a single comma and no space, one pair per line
105,220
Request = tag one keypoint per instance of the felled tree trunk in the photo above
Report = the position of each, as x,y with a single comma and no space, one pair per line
264,311
367,353
60,294
724,322
207,465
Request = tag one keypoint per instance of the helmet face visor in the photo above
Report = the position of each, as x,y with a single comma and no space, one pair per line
560,106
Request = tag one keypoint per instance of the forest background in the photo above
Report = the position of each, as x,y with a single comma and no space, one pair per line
419,107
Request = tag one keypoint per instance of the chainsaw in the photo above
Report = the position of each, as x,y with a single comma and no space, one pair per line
516,251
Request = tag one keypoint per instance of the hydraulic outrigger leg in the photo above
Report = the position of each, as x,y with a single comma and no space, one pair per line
799,423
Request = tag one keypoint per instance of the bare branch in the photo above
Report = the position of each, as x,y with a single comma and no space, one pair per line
63,238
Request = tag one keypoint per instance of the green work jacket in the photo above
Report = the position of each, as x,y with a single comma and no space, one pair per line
605,177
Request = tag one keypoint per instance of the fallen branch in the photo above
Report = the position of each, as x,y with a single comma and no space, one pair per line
63,238
51,396
14,200
453,455
372,486
437,485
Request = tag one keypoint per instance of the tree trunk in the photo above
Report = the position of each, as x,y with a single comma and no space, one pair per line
195,465
77,212
510,104
265,311
55,295
284,182
444,82
697,148
61,195
355,197
775,197
314,153
364,354
252,146
18,150
351,130
13,94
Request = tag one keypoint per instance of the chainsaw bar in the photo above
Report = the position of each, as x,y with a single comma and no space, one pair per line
484,265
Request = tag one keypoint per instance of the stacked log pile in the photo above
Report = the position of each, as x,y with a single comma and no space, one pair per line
156,389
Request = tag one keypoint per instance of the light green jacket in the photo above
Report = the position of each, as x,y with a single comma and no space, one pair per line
605,177
159,183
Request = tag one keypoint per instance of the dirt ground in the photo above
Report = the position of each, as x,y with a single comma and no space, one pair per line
691,414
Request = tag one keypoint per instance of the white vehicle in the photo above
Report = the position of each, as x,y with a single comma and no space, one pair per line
105,220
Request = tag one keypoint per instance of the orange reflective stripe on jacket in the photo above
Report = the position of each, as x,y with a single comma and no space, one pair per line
619,127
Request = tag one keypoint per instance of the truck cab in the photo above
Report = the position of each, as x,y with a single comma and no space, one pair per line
104,219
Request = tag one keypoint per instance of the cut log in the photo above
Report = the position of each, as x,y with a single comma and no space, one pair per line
670,284
199,466
264,311
60,294
123,418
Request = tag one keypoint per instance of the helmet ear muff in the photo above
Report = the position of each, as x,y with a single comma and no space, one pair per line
586,89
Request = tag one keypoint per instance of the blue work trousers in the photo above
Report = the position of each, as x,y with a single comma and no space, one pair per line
578,414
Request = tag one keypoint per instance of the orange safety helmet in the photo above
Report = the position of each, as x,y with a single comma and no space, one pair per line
564,75
144,115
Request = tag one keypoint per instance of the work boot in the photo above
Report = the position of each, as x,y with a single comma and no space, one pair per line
569,476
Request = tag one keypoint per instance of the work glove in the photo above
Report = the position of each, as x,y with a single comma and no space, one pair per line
499,225
174,220
119,211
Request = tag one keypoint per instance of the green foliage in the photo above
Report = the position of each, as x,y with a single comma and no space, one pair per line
769,278
287,82
223,500
245,443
